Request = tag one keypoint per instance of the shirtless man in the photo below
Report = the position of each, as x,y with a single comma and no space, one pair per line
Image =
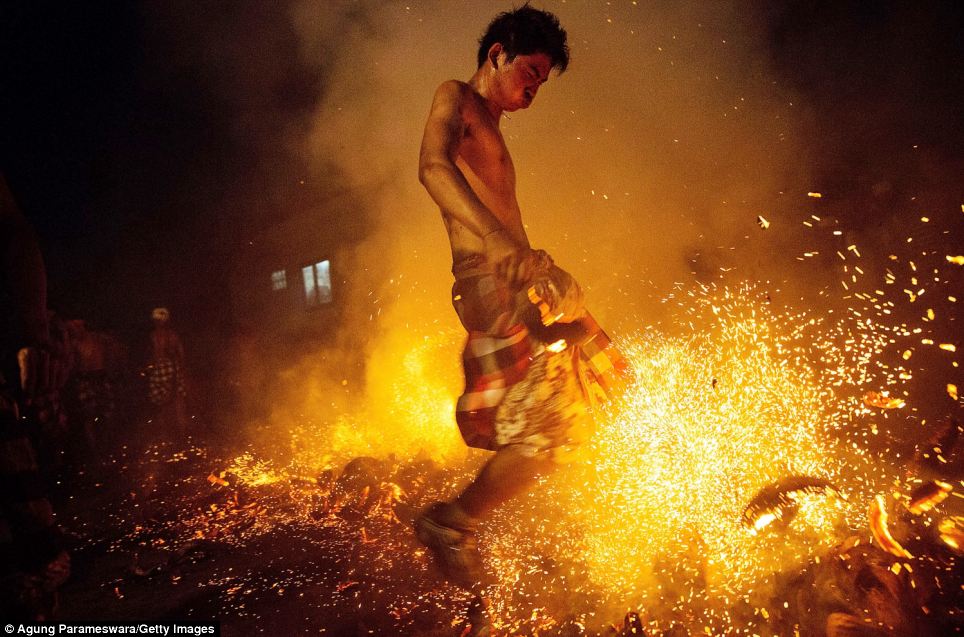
521,401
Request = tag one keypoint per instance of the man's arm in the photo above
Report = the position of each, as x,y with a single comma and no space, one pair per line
23,274
22,268
445,182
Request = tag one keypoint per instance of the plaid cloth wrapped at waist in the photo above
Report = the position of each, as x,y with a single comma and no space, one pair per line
507,331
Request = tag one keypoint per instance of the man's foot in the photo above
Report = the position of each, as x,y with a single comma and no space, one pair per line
455,550
479,623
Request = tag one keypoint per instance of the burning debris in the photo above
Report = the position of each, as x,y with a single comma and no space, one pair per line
366,573
778,501
928,495
882,400
951,532
708,502
877,521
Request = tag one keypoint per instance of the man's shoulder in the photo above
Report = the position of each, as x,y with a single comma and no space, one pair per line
455,96
455,91
454,86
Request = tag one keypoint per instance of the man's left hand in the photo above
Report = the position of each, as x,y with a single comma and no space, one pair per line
518,269
34,364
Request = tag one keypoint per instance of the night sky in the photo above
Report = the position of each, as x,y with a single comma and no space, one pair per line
149,143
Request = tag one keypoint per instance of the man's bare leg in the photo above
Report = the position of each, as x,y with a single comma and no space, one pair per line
507,474
448,528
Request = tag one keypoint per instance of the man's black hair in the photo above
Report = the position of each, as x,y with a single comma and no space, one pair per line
524,31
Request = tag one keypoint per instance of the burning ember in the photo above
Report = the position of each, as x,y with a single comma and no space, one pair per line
928,495
779,501
877,521
952,533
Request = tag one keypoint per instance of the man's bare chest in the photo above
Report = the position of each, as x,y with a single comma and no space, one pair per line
484,151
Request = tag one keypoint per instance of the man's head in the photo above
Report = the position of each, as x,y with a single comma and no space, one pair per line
160,315
523,46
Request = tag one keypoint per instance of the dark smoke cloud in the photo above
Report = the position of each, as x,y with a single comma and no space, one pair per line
882,82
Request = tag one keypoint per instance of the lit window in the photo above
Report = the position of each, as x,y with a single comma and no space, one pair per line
279,281
317,279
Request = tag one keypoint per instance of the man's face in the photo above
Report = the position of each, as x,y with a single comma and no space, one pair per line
520,79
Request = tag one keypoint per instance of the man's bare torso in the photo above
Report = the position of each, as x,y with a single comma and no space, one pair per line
485,161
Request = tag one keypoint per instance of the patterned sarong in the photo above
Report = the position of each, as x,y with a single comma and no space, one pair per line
165,380
533,361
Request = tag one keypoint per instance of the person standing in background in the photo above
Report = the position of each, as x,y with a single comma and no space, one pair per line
166,386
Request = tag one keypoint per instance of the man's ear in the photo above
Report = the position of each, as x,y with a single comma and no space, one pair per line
494,51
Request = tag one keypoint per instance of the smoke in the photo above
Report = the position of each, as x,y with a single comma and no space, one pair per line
644,166
638,168
317,165
642,169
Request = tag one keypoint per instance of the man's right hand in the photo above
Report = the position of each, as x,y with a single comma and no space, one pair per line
510,261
